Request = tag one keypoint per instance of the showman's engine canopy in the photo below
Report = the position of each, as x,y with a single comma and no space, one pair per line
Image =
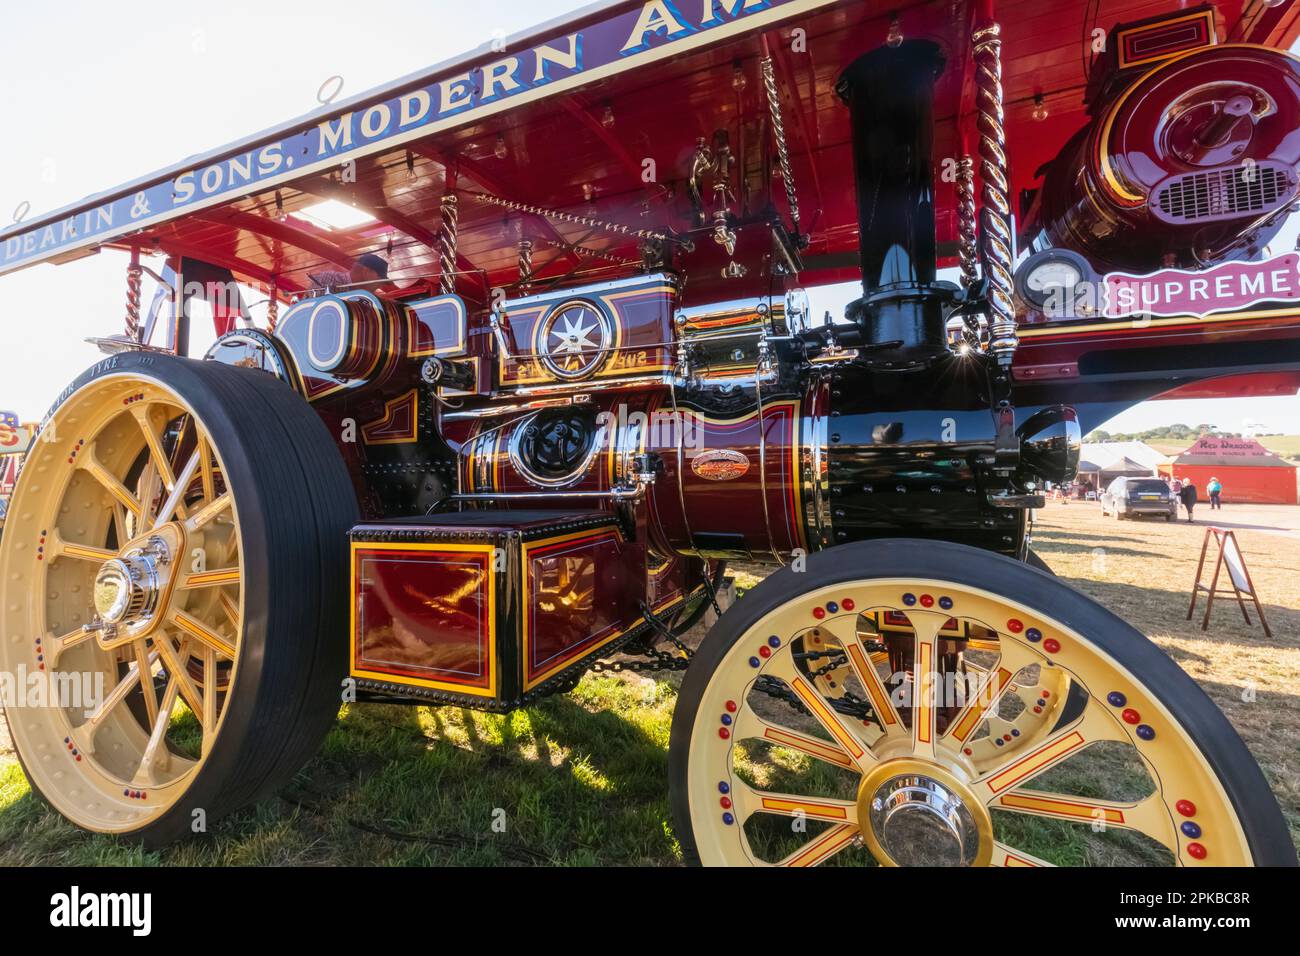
570,350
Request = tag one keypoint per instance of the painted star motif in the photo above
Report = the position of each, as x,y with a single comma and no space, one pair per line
575,337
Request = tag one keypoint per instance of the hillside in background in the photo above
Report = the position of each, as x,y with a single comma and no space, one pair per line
1174,439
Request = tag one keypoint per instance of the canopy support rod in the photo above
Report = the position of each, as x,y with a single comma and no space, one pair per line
995,215
134,278
447,238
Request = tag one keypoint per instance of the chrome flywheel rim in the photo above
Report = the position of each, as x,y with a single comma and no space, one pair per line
857,761
123,574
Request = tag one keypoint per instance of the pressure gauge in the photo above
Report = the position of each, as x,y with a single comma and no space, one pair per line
1048,281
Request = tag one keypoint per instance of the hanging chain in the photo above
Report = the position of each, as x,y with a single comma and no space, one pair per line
557,215
134,279
525,263
655,660
778,131
588,252
447,245
993,177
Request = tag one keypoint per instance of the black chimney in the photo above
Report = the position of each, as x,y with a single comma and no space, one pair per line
890,95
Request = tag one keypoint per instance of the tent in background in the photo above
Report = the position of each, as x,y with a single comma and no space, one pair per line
1249,472
1100,463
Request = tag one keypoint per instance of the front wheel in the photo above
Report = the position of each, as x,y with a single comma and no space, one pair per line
917,703
175,568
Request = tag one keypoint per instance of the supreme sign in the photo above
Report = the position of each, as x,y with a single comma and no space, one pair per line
1225,288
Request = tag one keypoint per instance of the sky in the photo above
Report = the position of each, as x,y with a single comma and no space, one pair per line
96,94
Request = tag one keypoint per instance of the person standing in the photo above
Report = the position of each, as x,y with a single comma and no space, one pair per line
1215,489
1188,496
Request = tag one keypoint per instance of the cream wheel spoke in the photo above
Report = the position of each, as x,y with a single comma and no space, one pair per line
209,697
210,579
95,719
174,505
144,417
1149,816
156,755
847,736
230,608
927,685
205,468
749,801
845,631
144,659
207,513
173,660
823,847
992,686
232,549
750,726
202,633
1020,767
56,547
89,462
120,529
1004,855
55,645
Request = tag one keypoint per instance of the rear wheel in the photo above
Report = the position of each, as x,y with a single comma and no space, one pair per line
176,550
916,703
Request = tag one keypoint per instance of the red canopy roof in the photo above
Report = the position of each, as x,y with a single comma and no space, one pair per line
578,140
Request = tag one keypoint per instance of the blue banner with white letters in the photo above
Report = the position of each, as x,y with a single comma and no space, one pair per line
636,34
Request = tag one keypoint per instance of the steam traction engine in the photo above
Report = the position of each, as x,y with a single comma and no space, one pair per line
538,440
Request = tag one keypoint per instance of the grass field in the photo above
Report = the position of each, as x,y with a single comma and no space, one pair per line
581,779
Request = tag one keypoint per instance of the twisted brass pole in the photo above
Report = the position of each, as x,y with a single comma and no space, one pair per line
447,245
134,279
525,263
272,307
968,241
995,218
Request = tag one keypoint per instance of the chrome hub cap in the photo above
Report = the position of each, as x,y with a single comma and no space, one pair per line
129,589
920,813
122,590
920,822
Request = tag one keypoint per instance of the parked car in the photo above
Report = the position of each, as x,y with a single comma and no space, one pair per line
1135,497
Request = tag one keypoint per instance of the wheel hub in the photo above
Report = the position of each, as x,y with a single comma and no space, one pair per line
130,588
125,588
916,813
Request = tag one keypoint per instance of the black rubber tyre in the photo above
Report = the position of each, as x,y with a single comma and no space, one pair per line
295,505
1262,821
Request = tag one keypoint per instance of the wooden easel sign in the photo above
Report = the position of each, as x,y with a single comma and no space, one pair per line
1229,556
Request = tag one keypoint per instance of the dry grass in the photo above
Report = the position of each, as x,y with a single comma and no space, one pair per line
1143,570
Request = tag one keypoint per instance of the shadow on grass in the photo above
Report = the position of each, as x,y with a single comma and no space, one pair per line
1045,549
1052,536
1148,607
574,780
